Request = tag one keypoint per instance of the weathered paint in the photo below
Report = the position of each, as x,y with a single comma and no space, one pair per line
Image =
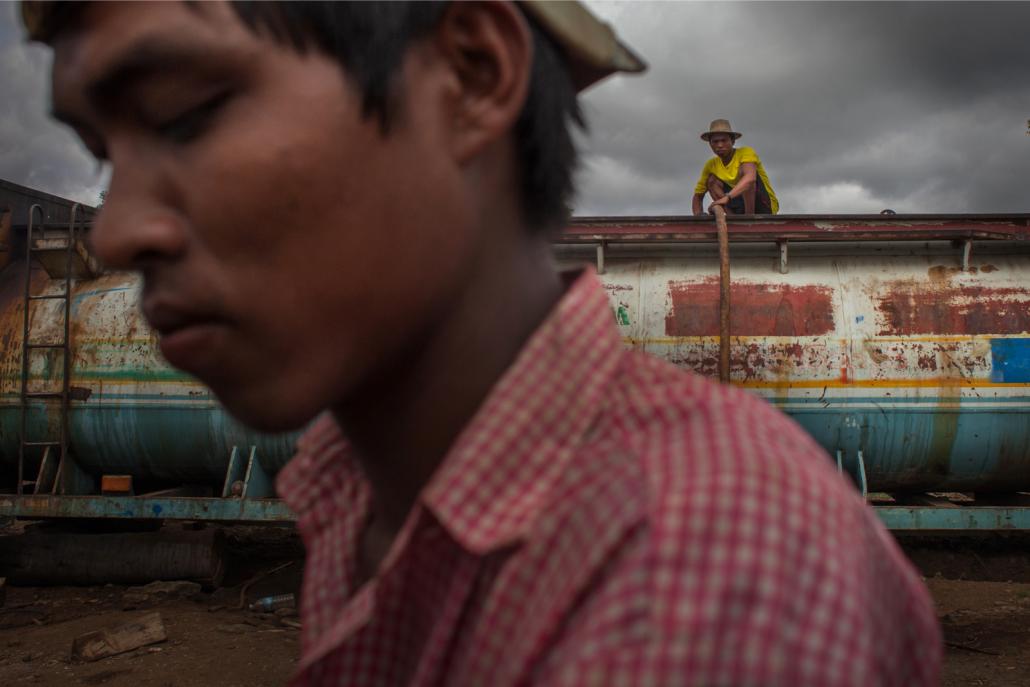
960,519
932,308
812,228
132,414
143,508
758,309
944,406
932,408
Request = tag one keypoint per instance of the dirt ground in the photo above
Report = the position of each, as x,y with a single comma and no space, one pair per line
981,588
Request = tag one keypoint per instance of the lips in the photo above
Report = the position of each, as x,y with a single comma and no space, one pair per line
189,337
167,318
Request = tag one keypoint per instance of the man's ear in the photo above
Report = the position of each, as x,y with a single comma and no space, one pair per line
489,50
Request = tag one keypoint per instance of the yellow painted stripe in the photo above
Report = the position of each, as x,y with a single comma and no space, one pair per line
877,384
681,340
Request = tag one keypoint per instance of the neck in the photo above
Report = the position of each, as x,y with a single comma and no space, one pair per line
402,423
728,156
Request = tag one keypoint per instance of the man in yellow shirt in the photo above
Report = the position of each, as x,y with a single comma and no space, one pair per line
734,178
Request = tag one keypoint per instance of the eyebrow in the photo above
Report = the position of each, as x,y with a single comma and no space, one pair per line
146,58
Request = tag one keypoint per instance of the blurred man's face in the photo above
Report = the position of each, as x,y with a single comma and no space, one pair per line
289,250
722,144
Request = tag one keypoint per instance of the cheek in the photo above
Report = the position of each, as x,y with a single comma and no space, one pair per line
328,240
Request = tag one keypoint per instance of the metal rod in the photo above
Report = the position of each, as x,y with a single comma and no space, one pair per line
724,294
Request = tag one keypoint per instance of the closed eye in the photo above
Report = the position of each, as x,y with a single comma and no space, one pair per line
190,124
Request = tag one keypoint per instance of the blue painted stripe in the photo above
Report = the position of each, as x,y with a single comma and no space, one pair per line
144,508
1010,360
963,519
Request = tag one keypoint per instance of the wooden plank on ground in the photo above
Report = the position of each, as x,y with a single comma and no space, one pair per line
93,646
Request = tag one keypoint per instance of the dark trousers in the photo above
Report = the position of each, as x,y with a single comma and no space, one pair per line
763,206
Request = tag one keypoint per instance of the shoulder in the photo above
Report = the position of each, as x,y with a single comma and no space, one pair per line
757,563
708,427
747,154
708,452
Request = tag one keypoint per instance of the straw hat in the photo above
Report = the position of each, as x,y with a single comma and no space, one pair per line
720,126
590,45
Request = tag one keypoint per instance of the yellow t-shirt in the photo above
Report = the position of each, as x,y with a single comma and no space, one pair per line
731,173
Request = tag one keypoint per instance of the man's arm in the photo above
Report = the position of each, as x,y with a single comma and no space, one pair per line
745,186
700,188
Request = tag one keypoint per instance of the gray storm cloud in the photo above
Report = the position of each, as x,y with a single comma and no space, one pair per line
35,150
853,107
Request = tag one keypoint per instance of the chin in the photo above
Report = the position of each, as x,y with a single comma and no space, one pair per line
257,412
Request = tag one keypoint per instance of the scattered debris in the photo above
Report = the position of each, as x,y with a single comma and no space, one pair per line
274,603
92,646
22,615
138,597
256,578
180,589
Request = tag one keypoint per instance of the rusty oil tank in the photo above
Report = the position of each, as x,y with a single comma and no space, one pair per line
905,339
130,412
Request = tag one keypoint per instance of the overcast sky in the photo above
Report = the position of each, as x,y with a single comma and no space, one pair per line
852,107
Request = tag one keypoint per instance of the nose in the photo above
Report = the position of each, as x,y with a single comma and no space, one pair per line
135,228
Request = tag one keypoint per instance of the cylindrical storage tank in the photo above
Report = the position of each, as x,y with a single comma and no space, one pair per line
131,413
888,348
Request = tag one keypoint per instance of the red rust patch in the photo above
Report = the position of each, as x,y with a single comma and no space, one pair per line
755,309
910,308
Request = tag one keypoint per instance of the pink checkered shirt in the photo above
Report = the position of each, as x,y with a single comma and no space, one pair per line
606,518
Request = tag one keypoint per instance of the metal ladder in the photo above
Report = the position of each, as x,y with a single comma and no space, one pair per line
54,448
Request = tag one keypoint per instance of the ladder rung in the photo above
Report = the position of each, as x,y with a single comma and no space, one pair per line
35,345
44,394
58,296
49,249
41,443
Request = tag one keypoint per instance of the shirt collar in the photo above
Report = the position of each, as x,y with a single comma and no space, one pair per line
498,475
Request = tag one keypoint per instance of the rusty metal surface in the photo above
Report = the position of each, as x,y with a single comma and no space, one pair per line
130,413
144,508
799,228
79,558
889,348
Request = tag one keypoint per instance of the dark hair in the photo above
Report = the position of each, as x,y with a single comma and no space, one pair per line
369,40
